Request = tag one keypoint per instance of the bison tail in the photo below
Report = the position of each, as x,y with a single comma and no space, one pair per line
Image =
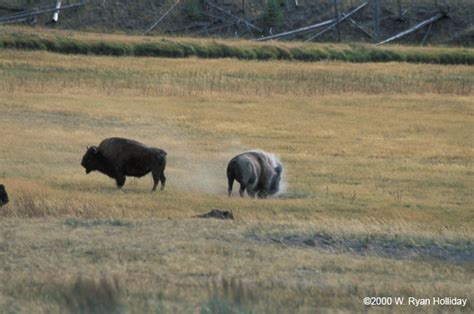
230,181
230,178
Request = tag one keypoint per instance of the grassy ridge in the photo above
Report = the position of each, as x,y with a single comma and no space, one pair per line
62,42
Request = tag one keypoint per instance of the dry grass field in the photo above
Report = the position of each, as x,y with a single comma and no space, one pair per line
377,201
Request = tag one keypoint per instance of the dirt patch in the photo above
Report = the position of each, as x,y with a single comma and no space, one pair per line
388,246
294,194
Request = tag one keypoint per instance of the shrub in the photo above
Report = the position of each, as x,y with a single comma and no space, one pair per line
188,49
193,9
274,13
111,49
266,52
71,46
163,48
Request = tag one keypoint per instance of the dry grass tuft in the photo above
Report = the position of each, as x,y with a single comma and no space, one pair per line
95,296
33,205
229,296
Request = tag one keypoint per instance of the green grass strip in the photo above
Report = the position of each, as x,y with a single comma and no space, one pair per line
181,49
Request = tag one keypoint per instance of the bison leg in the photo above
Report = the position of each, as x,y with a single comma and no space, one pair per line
163,181
120,179
262,194
158,174
156,179
242,190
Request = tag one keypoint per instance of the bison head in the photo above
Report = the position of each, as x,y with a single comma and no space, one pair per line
90,161
3,195
275,184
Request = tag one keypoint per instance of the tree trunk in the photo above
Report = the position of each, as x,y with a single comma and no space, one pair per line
336,11
376,19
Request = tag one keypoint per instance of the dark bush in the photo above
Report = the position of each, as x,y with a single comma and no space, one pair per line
193,9
71,47
163,48
266,52
274,13
111,49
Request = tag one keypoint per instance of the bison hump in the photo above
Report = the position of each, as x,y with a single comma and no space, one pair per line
117,148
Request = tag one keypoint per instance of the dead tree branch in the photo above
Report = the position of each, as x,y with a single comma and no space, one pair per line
427,34
360,27
21,16
161,18
414,28
239,20
299,30
345,17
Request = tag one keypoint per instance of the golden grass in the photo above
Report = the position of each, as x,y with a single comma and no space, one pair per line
370,151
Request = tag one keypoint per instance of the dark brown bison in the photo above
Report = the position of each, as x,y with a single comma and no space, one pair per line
120,157
257,172
3,195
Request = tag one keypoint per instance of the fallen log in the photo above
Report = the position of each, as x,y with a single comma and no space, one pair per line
345,17
25,14
413,29
208,28
298,30
361,28
161,18
239,20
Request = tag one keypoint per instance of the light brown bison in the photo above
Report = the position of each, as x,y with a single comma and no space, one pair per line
258,172
120,157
